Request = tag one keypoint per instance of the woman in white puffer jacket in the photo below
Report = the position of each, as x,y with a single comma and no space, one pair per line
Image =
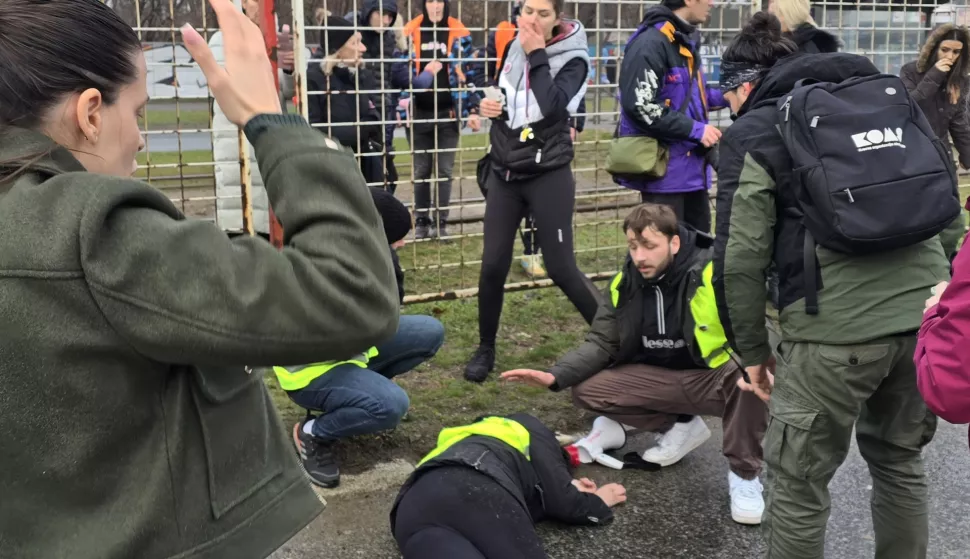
225,152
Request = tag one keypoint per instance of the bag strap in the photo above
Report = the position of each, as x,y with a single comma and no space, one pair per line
810,269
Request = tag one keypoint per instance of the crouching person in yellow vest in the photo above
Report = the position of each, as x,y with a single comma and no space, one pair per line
479,493
657,357
356,396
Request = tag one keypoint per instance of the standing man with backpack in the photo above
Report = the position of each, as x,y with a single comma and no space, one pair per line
664,102
857,257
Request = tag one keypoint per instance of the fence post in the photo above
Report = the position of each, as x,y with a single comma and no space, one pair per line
299,65
268,27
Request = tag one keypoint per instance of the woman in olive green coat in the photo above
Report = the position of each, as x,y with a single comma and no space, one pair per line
132,425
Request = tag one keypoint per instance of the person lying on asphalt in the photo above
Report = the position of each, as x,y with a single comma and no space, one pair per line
479,493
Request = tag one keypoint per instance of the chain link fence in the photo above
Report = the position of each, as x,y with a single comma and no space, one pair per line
205,165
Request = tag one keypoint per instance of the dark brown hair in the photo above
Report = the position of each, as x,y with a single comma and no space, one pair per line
51,49
957,76
652,216
55,48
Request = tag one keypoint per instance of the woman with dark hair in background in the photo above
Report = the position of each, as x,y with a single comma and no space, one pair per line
798,24
132,423
938,82
543,80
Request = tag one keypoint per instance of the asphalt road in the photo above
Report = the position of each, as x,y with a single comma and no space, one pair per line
680,512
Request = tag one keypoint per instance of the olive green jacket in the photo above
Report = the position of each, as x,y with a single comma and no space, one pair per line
132,425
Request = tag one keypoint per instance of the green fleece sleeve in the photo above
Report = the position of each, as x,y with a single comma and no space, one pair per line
600,348
743,247
181,291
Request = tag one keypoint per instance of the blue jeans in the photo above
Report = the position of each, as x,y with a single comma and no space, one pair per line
357,401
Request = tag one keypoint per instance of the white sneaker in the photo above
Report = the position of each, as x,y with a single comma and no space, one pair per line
678,442
747,502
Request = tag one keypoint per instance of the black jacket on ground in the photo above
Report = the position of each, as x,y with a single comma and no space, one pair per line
543,485
812,40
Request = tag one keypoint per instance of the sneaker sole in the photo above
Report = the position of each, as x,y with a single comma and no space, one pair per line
745,519
306,474
695,442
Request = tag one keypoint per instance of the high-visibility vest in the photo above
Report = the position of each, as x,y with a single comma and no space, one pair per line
506,430
297,378
504,34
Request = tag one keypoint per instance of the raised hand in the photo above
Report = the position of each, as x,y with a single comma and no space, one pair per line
245,87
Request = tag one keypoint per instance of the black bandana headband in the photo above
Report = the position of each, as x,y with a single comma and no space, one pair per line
733,74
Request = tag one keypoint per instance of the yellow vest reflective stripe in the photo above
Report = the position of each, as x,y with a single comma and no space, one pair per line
508,431
708,330
298,377
615,289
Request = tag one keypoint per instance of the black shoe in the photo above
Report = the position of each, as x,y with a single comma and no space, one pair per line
319,462
481,363
442,233
422,231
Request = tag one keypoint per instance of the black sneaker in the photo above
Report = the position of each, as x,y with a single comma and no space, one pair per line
442,233
481,363
423,229
319,462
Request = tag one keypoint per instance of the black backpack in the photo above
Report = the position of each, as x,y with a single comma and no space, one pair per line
868,172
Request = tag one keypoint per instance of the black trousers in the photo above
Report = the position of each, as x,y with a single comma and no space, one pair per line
693,208
550,199
459,513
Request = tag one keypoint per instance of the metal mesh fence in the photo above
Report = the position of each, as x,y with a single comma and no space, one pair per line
205,165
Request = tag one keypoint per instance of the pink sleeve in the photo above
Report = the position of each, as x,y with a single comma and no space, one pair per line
943,349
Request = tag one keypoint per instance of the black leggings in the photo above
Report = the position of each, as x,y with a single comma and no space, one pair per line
693,208
459,513
550,199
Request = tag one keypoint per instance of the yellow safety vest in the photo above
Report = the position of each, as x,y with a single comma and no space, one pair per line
508,431
297,378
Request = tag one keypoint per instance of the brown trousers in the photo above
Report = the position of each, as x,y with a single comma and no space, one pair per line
651,398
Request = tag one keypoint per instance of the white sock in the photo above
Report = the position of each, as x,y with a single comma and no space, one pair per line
308,427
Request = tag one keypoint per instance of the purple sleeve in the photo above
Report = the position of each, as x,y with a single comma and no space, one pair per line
424,80
715,99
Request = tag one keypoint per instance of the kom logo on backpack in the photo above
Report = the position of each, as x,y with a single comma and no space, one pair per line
878,139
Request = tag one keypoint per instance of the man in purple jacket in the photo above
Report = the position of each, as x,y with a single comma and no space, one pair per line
663,95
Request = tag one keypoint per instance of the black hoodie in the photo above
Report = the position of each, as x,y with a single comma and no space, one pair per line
662,325
647,320
434,45
382,45
812,40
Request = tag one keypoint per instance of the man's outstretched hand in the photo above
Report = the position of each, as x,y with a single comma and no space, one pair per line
530,377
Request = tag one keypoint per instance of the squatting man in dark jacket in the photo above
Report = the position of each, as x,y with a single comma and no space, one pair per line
656,357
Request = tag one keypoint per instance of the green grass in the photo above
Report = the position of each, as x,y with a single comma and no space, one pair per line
164,119
173,171
537,327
